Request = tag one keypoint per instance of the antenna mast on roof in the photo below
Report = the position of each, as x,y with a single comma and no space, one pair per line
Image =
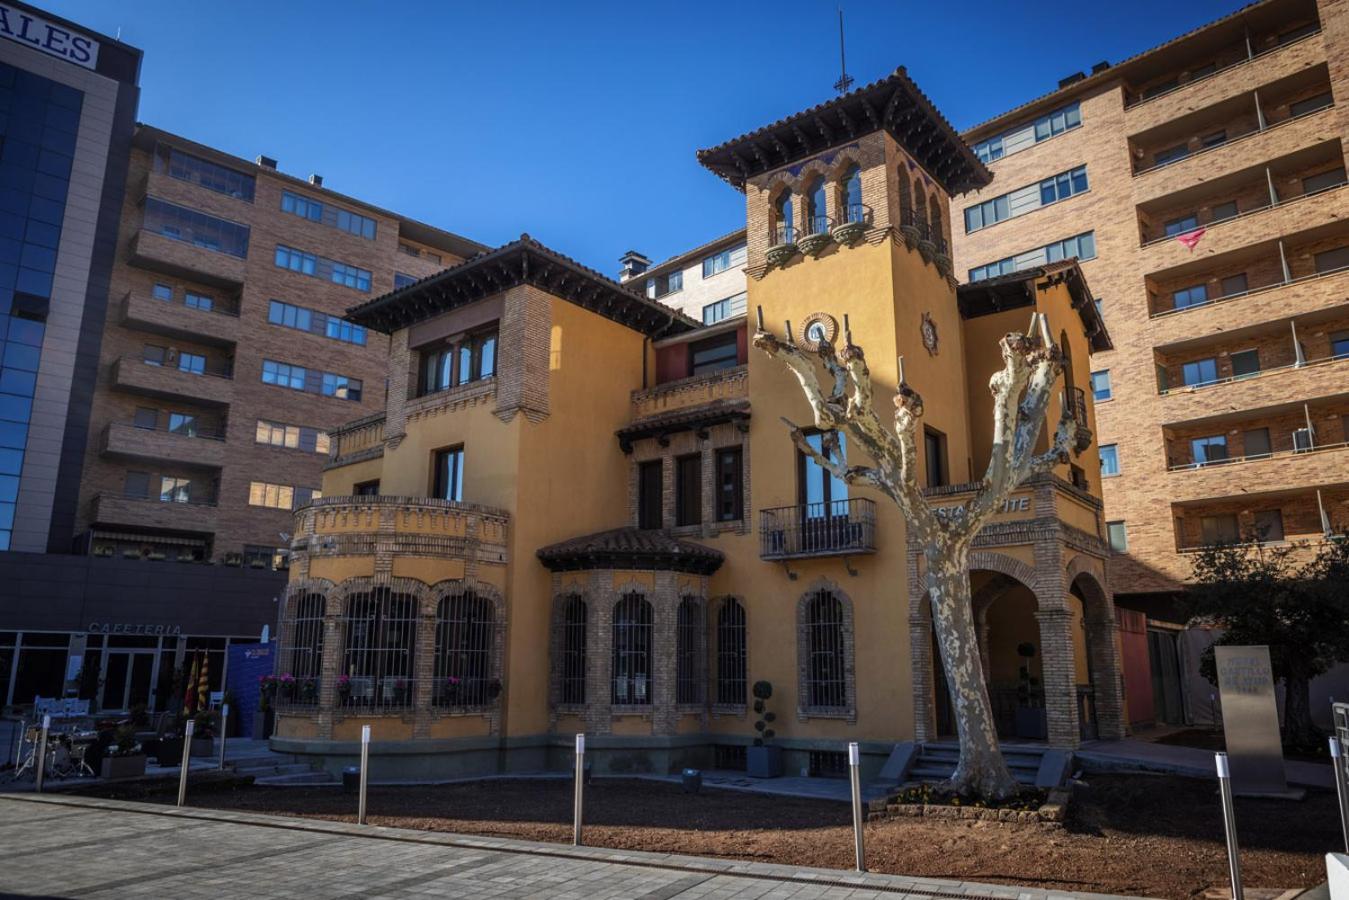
845,80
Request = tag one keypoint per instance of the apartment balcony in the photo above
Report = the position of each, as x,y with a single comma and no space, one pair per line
1234,79
357,440
838,528
1235,153
695,403
412,526
1305,514
218,326
151,512
138,377
1314,378
156,251
124,440
1279,471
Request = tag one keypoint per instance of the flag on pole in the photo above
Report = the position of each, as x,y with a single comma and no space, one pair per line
190,690
204,682
1190,238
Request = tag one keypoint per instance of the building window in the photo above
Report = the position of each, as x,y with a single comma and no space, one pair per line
1332,260
194,300
182,423
853,210
296,260
380,645
1109,460
1100,385
146,417
175,490
1199,372
1028,135
209,175
136,485
466,358
275,496
198,229
465,635
295,437
315,322
401,281
447,479
826,663
366,488
1063,185
817,220
783,230
1208,450
1339,344
1269,525
1255,443
688,490
301,206
669,283
260,556
573,686
317,211
730,484
1213,139
161,292
1219,529
1170,154
632,651
732,258
1182,225
301,649
819,490
1228,210
192,363
688,652
1082,246
934,454
1194,295
650,491
298,378
732,667
1234,285
714,354
1310,105
1117,537
1323,181
724,309
1245,363
322,267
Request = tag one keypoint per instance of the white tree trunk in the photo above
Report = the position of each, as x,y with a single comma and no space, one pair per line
982,770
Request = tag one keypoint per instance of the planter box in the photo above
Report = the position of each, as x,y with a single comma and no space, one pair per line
123,766
763,762
1032,723
263,724
171,750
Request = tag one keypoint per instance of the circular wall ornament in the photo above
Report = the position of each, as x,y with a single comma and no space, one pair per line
928,329
818,327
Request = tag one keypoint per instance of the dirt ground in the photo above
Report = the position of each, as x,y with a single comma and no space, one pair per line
1144,835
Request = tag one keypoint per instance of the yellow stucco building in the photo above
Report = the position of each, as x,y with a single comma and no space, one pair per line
581,513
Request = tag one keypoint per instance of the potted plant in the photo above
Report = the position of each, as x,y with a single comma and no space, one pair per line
343,690
1032,721
449,691
763,760
265,718
124,759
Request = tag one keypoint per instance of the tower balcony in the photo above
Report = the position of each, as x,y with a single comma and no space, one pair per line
465,533
725,385
837,528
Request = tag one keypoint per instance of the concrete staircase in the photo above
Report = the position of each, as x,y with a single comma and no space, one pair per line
268,768
1031,765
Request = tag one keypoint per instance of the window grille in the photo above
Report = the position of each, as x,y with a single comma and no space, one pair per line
302,654
632,651
731,668
688,674
377,665
729,756
573,650
465,626
828,764
827,672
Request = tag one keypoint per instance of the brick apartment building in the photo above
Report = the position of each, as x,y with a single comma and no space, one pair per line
707,283
1202,186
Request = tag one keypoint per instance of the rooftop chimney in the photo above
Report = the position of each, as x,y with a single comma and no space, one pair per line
1100,67
316,180
634,264
1072,79
266,162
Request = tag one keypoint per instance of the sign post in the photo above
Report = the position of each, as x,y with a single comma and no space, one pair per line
42,751
855,771
365,771
1337,762
224,728
1229,824
1251,721
187,759
578,795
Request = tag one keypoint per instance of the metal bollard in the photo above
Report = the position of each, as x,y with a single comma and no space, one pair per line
42,752
1341,787
224,727
1229,824
578,797
858,815
365,771
187,760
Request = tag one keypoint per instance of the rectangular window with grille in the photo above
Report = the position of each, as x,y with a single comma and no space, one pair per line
379,644
302,639
826,685
465,638
732,672
730,497
688,653
632,651
649,495
447,481
573,686
688,490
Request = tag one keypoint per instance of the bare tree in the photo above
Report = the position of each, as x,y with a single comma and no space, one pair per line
1021,392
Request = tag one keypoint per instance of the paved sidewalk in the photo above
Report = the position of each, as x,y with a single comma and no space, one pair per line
1149,756
81,847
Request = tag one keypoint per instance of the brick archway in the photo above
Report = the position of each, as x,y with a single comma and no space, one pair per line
1082,576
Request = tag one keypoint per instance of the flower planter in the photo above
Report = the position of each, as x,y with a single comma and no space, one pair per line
780,254
171,750
123,766
1032,723
814,244
849,233
763,762
264,722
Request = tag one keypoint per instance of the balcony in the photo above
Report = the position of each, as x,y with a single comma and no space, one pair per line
1282,470
357,440
151,512
218,326
153,250
464,533
1313,378
726,385
1306,513
838,528
135,376
127,441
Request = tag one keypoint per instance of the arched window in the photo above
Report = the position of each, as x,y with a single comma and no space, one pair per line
905,199
573,650
919,205
783,230
826,668
465,630
731,668
851,184
301,648
688,652
381,640
632,651
817,217
934,217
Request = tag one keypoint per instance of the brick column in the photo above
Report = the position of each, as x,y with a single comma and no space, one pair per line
331,666
402,366
523,349
1058,675
920,650
664,656
600,598
423,665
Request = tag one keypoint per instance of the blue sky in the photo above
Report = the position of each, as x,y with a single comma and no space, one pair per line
577,122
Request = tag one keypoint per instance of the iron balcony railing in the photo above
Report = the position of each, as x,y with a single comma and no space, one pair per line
781,234
908,218
1076,400
857,213
836,528
817,225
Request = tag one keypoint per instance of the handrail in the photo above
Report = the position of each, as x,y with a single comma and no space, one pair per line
1207,75
210,502
1256,457
782,234
227,372
1308,364
204,433
1248,292
1232,140
836,528
1241,215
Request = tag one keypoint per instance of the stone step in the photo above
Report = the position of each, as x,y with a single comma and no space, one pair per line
310,777
941,773
276,769
261,759
1014,763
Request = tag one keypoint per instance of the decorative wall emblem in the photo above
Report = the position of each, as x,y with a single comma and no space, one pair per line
928,328
818,327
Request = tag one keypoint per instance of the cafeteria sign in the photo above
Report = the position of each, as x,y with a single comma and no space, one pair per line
134,628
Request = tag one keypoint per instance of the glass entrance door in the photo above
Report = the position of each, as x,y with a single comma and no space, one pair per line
127,679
